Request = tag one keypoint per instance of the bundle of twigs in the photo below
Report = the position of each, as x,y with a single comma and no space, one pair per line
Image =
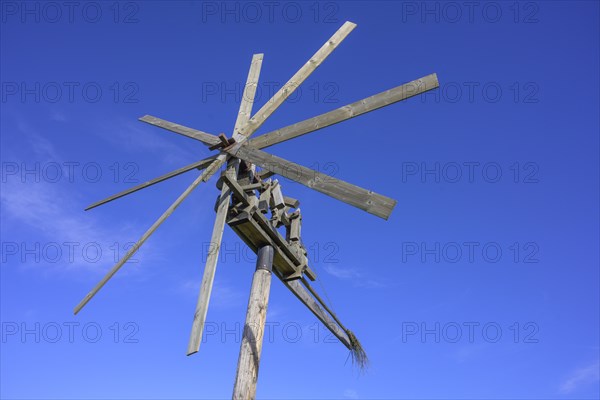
359,357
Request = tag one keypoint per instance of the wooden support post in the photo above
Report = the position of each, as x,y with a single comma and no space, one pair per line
248,362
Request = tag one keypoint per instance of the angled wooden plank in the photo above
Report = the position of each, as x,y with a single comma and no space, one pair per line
304,296
245,111
206,138
366,200
140,242
197,165
230,182
243,132
210,268
304,72
352,110
231,173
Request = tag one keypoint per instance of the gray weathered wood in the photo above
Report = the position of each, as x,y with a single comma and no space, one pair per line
254,328
140,242
239,193
304,72
293,232
210,268
357,108
291,202
206,138
252,233
245,111
304,296
197,165
242,133
231,173
277,196
366,200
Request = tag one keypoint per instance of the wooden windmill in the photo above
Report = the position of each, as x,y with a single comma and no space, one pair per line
255,207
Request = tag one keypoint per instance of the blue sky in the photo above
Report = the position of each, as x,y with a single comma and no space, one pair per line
483,284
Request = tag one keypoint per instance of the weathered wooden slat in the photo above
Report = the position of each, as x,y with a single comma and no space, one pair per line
286,90
197,165
210,268
206,138
355,109
245,111
140,242
291,202
230,182
255,237
366,200
231,173
304,296
264,174
243,132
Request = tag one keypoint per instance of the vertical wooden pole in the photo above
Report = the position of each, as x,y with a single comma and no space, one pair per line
249,360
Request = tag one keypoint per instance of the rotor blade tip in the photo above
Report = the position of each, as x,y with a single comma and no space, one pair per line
190,353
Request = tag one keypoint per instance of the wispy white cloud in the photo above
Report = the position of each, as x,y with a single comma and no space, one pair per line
350,394
135,136
580,377
52,216
357,277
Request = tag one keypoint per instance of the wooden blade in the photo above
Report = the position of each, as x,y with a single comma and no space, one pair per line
366,200
139,243
215,242
197,165
210,268
355,109
206,138
243,132
304,296
248,96
286,90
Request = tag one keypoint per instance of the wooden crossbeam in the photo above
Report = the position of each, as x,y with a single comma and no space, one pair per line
139,243
210,268
206,138
239,192
366,200
352,110
346,112
245,126
197,165
304,296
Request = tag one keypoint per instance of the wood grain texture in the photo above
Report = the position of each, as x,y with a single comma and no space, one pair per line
210,268
346,112
222,210
254,327
304,72
366,200
206,138
305,297
197,165
245,111
139,243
